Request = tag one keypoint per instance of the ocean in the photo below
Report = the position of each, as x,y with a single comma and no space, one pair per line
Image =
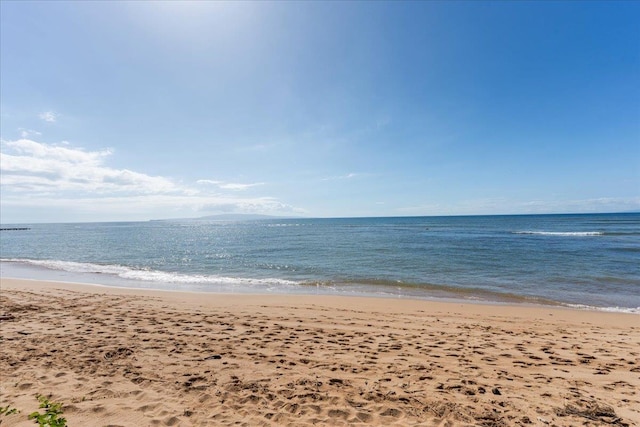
589,261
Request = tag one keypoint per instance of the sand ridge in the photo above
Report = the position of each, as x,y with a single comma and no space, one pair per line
135,358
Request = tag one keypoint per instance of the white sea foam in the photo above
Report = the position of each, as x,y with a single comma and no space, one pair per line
74,267
561,233
152,275
630,310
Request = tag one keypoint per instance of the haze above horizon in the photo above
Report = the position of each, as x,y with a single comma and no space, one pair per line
125,111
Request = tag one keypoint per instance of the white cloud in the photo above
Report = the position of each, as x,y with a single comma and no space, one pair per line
49,116
229,185
34,166
136,207
239,187
208,181
347,176
38,177
602,204
32,149
492,206
27,133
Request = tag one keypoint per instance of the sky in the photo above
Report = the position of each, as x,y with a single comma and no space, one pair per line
125,111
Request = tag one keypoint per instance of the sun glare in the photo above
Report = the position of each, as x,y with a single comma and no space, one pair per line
191,19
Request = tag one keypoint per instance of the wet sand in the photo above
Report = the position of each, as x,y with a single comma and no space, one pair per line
120,357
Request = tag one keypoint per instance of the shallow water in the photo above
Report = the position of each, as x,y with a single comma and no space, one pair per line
590,260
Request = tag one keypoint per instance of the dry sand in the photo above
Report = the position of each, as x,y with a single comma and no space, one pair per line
118,357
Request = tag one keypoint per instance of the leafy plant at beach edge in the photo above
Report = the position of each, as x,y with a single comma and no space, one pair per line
51,416
7,410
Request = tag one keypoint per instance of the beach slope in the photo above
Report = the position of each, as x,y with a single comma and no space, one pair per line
120,357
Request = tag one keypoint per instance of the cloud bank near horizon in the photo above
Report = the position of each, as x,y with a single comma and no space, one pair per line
38,175
74,184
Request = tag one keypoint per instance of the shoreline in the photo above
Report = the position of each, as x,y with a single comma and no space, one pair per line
552,305
130,357
452,295
396,303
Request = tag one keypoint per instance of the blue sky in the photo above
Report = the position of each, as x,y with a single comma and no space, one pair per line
141,110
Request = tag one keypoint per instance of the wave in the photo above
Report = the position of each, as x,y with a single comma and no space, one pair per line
562,233
429,291
365,287
629,310
148,275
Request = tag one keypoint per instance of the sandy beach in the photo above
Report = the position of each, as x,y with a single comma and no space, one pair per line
122,357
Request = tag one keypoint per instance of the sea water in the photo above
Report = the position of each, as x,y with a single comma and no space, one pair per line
590,260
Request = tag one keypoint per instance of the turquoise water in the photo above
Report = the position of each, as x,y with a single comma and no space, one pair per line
580,260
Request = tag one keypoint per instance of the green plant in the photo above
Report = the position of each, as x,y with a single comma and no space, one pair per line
8,410
51,416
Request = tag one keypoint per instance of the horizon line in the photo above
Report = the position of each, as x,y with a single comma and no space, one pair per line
267,217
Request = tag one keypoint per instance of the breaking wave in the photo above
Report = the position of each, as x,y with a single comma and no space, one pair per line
629,310
149,275
562,233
